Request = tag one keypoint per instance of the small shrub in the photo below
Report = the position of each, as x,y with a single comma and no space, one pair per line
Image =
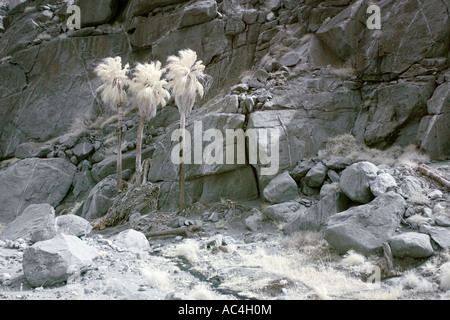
346,145
411,280
189,251
353,258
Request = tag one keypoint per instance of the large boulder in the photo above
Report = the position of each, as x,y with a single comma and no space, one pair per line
36,223
56,260
355,181
365,228
281,189
411,244
33,181
73,225
100,199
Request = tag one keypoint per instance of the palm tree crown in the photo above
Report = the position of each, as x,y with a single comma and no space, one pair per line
114,79
186,79
149,88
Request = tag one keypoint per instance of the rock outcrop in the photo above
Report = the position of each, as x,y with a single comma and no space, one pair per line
33,181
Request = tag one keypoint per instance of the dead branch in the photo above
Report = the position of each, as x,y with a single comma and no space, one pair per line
388,257
186,232
427,171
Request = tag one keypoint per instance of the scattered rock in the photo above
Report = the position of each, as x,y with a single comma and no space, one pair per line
411,244
338,163
281,189
253,222
290,59
83,150
316,176
36,223
327,189
334,176
286,211
442,221
364,228
410,186
439,235
301,169
240,88
56,260
355,181
383,183
435,194
132,240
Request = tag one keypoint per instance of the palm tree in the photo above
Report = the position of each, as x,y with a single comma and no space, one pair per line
149,89
186,80
114,79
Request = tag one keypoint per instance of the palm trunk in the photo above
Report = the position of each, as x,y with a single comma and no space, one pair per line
182,193
140,135
119,147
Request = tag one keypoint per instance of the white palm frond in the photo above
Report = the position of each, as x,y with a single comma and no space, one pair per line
149,88
186,79
114,79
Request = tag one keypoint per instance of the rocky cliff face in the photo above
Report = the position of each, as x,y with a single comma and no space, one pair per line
310,69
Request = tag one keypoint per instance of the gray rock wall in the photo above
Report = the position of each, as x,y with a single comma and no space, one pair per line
311,70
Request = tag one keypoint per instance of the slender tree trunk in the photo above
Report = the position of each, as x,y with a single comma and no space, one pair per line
140,135
182,191
119,147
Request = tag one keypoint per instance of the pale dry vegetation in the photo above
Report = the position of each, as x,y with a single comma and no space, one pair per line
346,145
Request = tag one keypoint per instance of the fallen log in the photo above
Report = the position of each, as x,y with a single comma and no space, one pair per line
427,171
186,232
